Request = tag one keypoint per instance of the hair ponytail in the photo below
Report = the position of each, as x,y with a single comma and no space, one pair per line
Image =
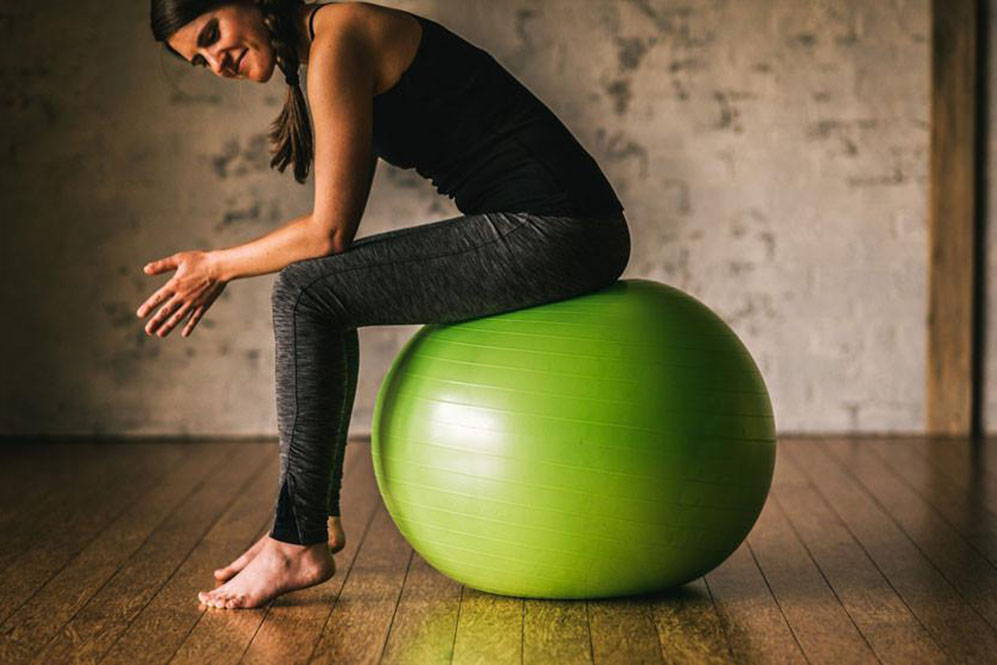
291,133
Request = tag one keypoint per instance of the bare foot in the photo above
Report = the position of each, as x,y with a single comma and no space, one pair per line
337,541
277,568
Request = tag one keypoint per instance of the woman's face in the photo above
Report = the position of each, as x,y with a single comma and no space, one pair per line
231,41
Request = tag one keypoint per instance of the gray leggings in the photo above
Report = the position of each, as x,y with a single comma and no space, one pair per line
443,272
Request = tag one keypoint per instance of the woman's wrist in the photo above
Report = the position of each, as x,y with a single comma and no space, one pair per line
218,265
297,240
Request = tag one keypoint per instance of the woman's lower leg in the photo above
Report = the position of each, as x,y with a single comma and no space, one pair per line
316,373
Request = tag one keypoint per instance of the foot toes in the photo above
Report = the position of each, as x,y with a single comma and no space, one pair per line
209,598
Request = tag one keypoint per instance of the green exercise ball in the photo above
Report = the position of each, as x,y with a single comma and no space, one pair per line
616,443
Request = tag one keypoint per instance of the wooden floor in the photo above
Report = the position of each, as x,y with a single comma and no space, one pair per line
875,550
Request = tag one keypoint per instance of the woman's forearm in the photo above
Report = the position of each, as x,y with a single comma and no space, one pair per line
297,240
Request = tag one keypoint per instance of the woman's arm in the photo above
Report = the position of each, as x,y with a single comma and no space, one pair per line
297,240
341,84
201,276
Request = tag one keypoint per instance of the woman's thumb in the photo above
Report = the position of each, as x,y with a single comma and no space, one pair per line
156,267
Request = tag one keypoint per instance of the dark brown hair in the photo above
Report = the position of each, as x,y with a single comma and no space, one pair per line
291,132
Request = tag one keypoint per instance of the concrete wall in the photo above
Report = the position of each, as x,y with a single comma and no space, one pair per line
771,155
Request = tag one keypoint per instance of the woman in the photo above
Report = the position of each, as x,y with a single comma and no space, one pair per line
539,223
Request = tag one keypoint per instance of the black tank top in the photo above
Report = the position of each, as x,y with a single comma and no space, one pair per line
481,137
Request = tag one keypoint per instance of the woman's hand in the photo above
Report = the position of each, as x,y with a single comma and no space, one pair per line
190,291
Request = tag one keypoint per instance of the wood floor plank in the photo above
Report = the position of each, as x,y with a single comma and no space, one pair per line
965,511
968,466
623,632
690,629
757,630
970,573
108,613
822,626
129,478
69,514
293,622
163,625
952,623
894,633
81,574
422,632
958,462
30,471
489,629
556,631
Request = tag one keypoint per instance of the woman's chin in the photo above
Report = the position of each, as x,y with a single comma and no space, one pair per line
266,75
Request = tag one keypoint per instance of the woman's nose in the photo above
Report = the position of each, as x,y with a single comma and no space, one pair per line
217,63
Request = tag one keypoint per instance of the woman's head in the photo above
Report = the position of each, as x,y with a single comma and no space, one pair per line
230,39
245,39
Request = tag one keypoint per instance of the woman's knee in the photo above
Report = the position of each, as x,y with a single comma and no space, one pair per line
288,285
306,288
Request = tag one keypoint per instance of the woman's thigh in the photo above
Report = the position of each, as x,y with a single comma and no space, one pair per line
457,269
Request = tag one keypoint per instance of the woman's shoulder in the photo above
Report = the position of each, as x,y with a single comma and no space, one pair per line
392,34
380,22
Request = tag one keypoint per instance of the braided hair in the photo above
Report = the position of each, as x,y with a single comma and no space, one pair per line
290,134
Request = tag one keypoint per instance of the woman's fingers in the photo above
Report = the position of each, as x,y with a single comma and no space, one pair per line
156,267
176,319
194,318
161,318
179,303
199,312
160,296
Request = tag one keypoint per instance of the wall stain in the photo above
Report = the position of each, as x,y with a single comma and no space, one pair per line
631,52
122,314
238,160
848,39
678,267
729,113
823,129
679,189
768,239
523,17
248,214
754,304
406,178
617,149
680,91
674,21
688,64
619,91
853,409
805,39
895,177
